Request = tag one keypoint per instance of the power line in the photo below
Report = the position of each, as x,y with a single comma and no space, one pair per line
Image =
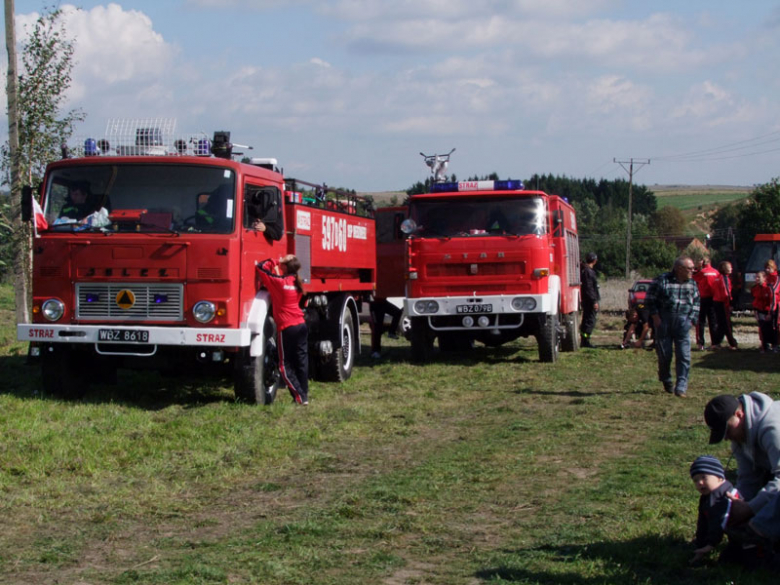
749,143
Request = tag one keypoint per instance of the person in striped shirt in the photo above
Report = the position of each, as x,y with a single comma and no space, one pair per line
673,302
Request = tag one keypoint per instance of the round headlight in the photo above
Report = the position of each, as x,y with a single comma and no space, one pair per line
530,304
483,321
52,309
204,311
419,307
468,321
523,304
432,307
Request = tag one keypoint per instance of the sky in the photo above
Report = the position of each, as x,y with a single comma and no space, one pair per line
350,92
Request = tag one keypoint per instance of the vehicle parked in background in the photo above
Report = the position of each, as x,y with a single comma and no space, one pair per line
485,261
766,247
637,293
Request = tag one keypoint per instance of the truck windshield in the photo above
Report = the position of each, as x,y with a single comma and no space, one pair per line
465,217
762,252
141,198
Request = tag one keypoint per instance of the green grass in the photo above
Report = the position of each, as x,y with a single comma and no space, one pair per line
698,200
481,468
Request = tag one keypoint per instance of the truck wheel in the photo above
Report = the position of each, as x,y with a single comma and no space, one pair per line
257,378
548,338
338,367
422,340
63,372
571,323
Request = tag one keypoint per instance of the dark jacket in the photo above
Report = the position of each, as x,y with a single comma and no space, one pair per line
589,284
714,511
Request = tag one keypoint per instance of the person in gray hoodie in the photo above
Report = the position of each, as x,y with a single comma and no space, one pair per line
752,424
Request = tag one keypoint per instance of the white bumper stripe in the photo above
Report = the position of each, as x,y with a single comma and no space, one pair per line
185,336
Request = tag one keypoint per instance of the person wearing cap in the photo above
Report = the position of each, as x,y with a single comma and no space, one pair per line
673,303
752,424
589,288
710,481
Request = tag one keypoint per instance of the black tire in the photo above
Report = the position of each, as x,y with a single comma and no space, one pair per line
338,367
548,339
455,341
64,372
257,378
571,325
422,340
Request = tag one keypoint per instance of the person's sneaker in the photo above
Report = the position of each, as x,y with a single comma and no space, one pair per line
376,355
679,394
668,387
305,403
392,335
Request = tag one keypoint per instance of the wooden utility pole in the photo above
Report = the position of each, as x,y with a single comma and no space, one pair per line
630,170
19,229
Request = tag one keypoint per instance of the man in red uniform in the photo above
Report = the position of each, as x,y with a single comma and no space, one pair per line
705,277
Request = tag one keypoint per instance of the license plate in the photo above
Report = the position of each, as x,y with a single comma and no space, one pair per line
124,335
474,308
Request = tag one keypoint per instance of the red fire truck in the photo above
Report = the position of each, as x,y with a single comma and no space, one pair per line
146,257
487,261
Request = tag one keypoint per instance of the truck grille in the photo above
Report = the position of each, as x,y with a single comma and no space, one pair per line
130,302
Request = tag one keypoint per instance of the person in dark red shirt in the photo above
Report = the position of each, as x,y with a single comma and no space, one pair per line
705,276
286,290
764,302
721,302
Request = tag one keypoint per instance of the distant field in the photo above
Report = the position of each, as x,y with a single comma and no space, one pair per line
695,197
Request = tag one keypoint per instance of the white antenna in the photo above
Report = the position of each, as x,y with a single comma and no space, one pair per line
438,164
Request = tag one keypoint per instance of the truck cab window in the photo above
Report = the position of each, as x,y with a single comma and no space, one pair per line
262,210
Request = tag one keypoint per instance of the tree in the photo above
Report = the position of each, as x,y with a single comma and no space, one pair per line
47,62
669,221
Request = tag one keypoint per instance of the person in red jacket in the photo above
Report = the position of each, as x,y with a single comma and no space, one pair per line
774,284
286,290
764,304
721,303
705,276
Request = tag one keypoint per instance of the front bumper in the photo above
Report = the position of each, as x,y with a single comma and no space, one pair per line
178,336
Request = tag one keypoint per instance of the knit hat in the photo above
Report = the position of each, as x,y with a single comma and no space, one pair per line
717,413
709,465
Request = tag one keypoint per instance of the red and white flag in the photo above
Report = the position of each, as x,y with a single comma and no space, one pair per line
40,220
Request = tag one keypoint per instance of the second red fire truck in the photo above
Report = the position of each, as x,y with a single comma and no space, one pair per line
486,261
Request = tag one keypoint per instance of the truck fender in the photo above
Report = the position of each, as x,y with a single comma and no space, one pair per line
554,290
332,328
261,307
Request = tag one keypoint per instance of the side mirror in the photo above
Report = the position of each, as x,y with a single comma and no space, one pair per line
27,205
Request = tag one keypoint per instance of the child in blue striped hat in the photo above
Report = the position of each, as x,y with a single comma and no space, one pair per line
714,506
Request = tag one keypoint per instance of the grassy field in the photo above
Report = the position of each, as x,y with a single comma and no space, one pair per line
486,467
699,198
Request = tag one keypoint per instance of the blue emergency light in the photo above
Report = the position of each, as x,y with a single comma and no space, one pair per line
511,185
90,147
158,299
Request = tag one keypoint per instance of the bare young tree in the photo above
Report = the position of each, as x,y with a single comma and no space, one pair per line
45,76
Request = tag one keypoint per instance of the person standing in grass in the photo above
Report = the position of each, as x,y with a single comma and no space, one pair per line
286,289
774,284
589,288
705,276
721,304
673,302
764,304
